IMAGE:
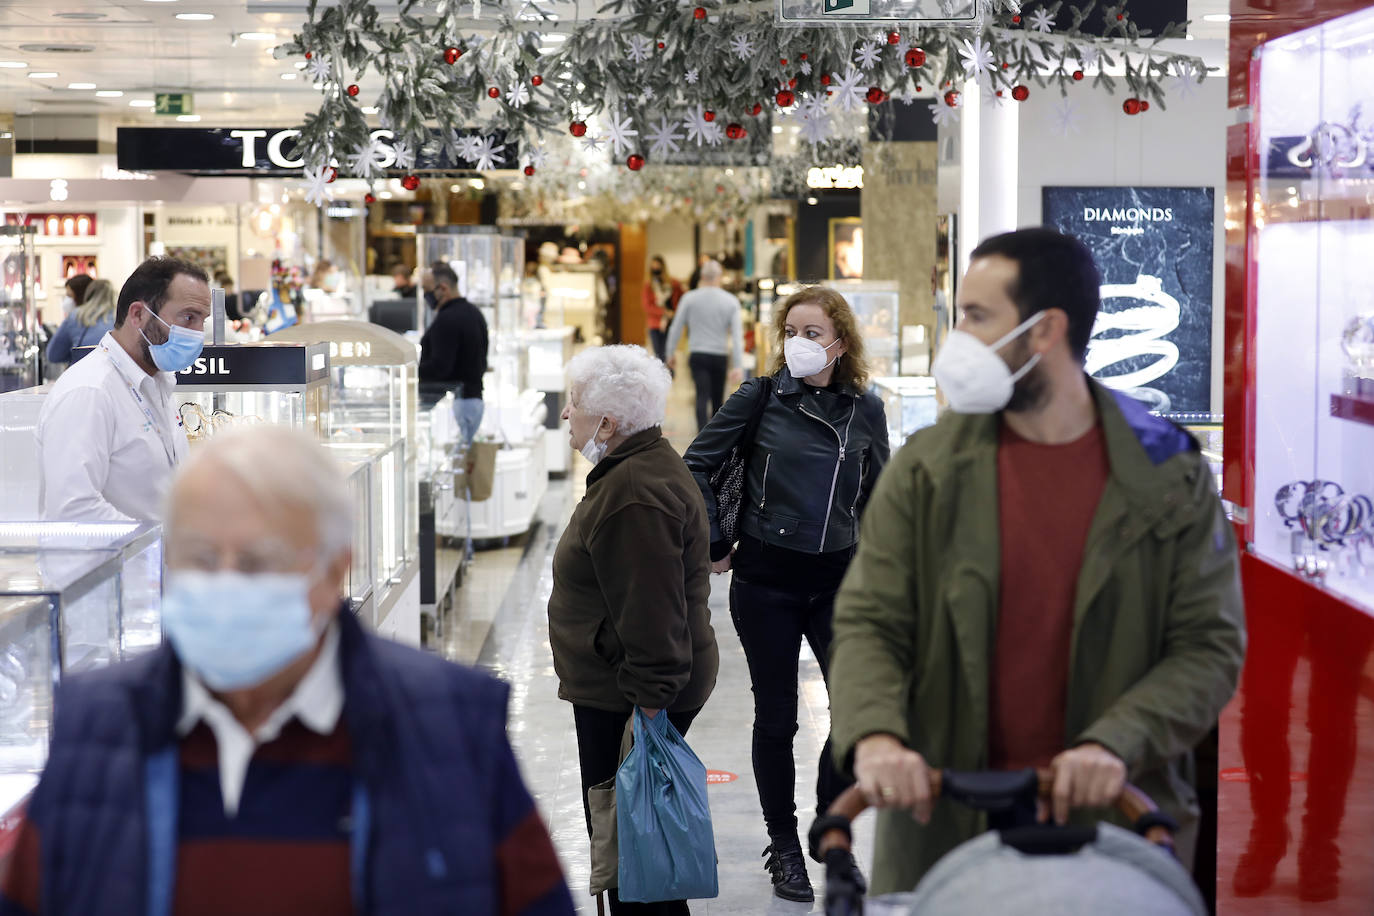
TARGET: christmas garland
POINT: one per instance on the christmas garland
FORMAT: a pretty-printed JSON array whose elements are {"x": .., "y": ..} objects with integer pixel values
[{"x": 647, "y": 79}]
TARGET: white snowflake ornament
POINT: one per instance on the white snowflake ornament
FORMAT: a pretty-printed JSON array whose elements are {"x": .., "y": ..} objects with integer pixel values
[
  {"x": 977, "y": 57},
  {"x": 488, "y": 154},
  {"x": 319, "y": 69},
  {"x": 700, "y": 130},
  {"x": 1042, "y": 21},
  {"x": 1066, "y": 120},
  {"x": 849, "y": 89},
  {"x": 992, "y": 97},
  {"x": 742, "y": 46},
  {"x": 591, "y": 143},
  {"x": 816, "y": 124},
  {"x": 943, "y": 115},
  {"x": 619, "y": 132},
  {"x": 691, "y": 76},
  {"x": 806, "y": 68},
  {"x": 317, "y": 185},
  {"x": 404, "y": 153},
  {"x": 467, "y": 147},
  {"x": 868, "y": 55},
  {"x": 664, "y": 139},
  {"x": 641, "y": 48},
  {"x": 518, "y": 94},
  {"x": 367, "y": 161}
]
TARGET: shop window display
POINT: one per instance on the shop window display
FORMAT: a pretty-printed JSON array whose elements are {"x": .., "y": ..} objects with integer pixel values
[{"x": 19, "y": 326}]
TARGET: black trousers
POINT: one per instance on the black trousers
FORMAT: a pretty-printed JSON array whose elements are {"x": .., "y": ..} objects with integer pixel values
[
  {"x": 658, "y": 340},
  {"x": 598, "y": 755},
  {"x": 771, "y": 623},
  {"x": 708, "y": 374}
]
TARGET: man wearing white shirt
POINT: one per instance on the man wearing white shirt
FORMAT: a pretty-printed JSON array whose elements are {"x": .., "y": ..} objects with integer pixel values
[{"x": 109, "y": 432}]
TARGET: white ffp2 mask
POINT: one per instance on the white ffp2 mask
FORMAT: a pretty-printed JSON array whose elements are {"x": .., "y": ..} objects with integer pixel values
[
  {"x": 806, "y": 358},
  {"x": 971, "y": 374}
]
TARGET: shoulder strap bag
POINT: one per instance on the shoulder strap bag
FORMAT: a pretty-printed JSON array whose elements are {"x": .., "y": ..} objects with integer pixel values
[{"x": 728, "y": 482}]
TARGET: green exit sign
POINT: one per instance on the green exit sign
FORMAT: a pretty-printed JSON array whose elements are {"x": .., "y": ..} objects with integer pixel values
[{"x": 173, "y": 103}]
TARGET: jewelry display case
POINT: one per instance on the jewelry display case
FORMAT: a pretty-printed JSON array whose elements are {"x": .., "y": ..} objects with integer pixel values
[
  {"x": 909, "y": 402},
  {"x": 285, "y": 383},
  {"x": 72, "y": 597},
  {"x": 20, "y": 458},
  {"x": 474, "y": 253},
  {"x": 571, "y": 302},
  {"x": 550, "y": 350},
  {"x": 19, "y": 324},
  {"x": 1313, "y": 499}
]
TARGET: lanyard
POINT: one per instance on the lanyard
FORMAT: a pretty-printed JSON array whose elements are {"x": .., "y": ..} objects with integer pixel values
[{"x": 142, "y": 403}]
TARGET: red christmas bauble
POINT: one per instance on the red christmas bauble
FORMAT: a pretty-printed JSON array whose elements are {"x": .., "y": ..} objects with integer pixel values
[
  {"x": 736, "y": 131},
  {"x": 635, "y": 162},
  {"x": 369, "y": 198},
  {"x": 803, "y": 57},
  {"x": 875, "y": 96},
  {"x": 756, "y": 110},
  {"x": 1020, "y": 93},
  {"x": 915, "y": 57},
  {"x": 529, "y": 170},
  {"x": 493, "y": 93},
  {"x": 1144, "y": 105},
  {"x": 1131, "y": 106},
  {"x": 999, "y": 93},
  {"x": 309, "y": 55},
  {"x": 720, "y": 189},
  {"x": 786, "y": 97},
  {"x": 952, "y": 99},
  {"x": 1016, "y": 20},
  {"x": 333, "y": 174},
  {"x": 1078, "y": 76},
  {"x": 578, "y": 128},
  {"x": 708, "y": 115},
  {"x": 894, "y": 38},
  {"x": 661, "y": 46},
  {"x": 451, "y": 55},
  {"x": 353, "y": 91},
  {"x": 782, "y": 62},
  {"x": 699, "y": 13},
  {"x": 792, "y": 83},
  {"x": 1120, "y": 17},
  {"x": 536, "y": 80},
  {"x": 825, "y": 79},
  {"x": 918, "y": 88},
  {"x": 410, "y": 182}
]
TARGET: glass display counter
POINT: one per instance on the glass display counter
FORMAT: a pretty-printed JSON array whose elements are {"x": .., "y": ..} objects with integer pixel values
[
  {"x": 284, "y": 383},
  {"x": 909, "y": 402},
  {"x": 1312, "y": 231},
  {"x": 20, "y": 458},
  {"x": 19, "y": 324},
  {"x": 550, "y": 350},
  {"x": 72, "y": 597},
  {"x": 572, "y": 302}
]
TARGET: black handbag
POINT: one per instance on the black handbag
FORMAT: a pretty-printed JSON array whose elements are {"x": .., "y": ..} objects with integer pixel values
[{"x": 727, "y": 483}]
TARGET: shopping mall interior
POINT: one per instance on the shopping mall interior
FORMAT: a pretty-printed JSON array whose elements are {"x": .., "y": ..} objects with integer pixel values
[{"x": 319, "y": 161}]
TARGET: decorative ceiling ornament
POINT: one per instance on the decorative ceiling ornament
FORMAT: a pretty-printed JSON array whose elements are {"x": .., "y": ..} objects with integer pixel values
[{"x": 730, "y": 61}]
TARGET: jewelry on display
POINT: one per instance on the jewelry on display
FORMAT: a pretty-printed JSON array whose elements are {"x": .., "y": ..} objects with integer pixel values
[
  {"x": 202, "y": 424},
  {"x": 1357, "y": 342}
]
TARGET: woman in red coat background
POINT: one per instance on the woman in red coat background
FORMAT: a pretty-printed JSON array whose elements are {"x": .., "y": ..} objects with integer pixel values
[{"x": 661, "y": 293}]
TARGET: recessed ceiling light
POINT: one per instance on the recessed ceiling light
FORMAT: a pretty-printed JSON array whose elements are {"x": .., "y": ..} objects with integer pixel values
[
  {"x": 289, "y": 76},
  {"x": 81, "y": 85},
  {"x": 195, "y": 17},
  {"x": 370, "y": 110},
  {"x": 1217, "y": 17},
  {"x": 159, "y": 1},
  {"x": 300, "y": 65},
  {"x": 257, "y": 36},
  {"x": 142, "y": 103},
  {"x": 43, "y": 75},
  {"x": 188, "y": 119},
  {"x": 109, "y": 94},
  {"x": 12, "y": 64}
]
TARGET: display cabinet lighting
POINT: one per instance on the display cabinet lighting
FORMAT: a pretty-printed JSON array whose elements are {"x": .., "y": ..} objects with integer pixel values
[
  {"x": 142, "y": 103},
  {"x": 43, "y": 75},
  {"x": 109, "y": 94},
  {"x": 12, "y": 65},
  {"x": 195, "y": 17}
]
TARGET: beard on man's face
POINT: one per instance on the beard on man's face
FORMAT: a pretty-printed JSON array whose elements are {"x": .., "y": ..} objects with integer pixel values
[{"x": 1032, "y": 390}]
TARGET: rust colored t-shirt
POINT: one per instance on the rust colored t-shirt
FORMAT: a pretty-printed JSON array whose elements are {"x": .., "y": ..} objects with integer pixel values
[{"x": 1047, "y": 496}]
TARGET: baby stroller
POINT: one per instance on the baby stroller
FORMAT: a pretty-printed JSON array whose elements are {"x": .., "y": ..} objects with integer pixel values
[{"x": 1026, "y": 869}]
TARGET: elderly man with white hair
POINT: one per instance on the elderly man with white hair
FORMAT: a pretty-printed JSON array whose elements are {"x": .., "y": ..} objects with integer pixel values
[
  {"x": 628, "y": 618},
  {"x": 272, "y": 756},
  {"x": 711, "y": 318}
]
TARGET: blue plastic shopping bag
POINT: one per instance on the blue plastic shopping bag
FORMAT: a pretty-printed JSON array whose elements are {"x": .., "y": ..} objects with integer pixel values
[{"x": 667, "y": 848}]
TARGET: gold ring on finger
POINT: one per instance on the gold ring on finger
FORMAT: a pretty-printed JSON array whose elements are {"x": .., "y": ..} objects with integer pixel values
[{"x": 887, "y": 791}]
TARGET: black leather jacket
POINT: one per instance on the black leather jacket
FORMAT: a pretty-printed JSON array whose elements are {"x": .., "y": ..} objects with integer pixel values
[{"x": 812, "y": 467}]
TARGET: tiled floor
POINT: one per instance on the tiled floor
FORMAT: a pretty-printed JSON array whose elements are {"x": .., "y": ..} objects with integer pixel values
[{"x": 501, "y": 624}]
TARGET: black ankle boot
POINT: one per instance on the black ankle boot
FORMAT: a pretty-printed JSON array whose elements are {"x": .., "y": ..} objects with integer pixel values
[{"x": 788, "y": 868}]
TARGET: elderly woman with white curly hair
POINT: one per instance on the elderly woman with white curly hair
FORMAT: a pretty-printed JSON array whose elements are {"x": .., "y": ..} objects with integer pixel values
[{"x": 628, "y": 618}]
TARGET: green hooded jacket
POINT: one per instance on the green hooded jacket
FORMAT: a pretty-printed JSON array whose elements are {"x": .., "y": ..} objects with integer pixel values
[{"x": 1158, "y": 636}]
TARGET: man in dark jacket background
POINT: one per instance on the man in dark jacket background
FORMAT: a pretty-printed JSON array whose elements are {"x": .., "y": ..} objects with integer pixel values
[
  {"x": 273, "y": 757},
  {"x": 453, "y": 352}
]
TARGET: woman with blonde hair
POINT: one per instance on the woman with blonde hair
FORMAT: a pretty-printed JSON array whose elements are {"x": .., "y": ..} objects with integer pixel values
[
  {"x": 86, "y": 324},
  {"x": 819, "y": 440}
]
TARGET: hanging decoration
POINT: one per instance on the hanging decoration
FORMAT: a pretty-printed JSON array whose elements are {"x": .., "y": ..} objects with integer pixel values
[{"x": 436, "y": 73}]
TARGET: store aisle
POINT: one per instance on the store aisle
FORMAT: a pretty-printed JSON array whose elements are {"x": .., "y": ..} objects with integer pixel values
[{"x": 541, "y": 725}]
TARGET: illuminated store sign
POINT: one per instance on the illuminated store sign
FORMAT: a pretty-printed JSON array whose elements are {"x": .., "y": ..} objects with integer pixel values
[
  {"x": 837, "y": 176},
  {"x": 267, "y": 151}
]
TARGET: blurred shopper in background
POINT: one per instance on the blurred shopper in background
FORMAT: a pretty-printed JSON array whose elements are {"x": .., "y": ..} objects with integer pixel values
[
  {"x": 710, "y": 316},
  {"x": 1045, "y": 579},
  {"x": 92, "y": 318},
  {"x": 273, "y": 756},
  {"x": 661, "y": 295},
  {"x": 453, "y": 353},
  {"x": 628, "y": 618},
  {"x": 819, "y": 445}
]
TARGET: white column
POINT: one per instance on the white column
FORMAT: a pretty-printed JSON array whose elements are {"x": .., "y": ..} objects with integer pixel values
[{"x": 990, "y": 141}]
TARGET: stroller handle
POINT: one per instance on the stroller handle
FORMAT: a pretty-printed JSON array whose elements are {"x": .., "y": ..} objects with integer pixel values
[{"x": 1132, "y": 804}]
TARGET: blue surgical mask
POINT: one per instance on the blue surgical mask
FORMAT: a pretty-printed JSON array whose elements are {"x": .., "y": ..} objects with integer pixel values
[
  {"x": 181, "y": 349},
  {"x": 235, "y": 630}
]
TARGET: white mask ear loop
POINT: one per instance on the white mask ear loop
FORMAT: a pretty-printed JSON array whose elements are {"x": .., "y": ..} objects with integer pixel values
[{"x": 1014, "y": 333}]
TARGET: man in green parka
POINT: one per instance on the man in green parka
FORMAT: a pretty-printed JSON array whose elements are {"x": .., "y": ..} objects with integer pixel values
[{"x": 1045, "y": 578}]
